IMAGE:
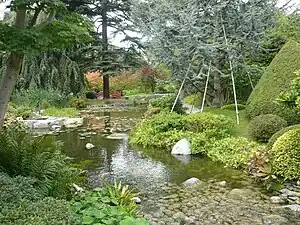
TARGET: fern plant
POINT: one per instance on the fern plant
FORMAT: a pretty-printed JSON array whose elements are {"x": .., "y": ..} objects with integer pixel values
[
  {"x": 122, "y": 194},
  {"x": 40, "y": 158}
]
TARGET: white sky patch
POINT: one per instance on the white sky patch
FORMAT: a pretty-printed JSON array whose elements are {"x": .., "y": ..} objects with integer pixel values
[{"x": 118, "y": 38}]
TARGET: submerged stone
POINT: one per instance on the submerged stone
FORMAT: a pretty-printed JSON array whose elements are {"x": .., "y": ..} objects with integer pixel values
[
  {"x": 240, "y": 193},
  {"x": 117, "y": 136},
  {"x": 277, "y": 200},
  {"x": 274, "y": 220},
  {"x": 294, "y": 207}
]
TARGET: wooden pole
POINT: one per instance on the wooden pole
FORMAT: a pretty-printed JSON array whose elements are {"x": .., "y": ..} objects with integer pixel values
[
  {"x": 205, "y": 90},
  {"x": 232, "y": 78}
]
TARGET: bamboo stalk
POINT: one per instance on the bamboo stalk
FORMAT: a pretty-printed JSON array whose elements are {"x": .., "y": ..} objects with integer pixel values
[
  {"x": 205, "y": 90},
  {"x": 232, "y": 78}
]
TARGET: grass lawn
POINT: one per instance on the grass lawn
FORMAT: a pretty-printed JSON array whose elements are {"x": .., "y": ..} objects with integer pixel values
[{"x": 242, "y": 128}]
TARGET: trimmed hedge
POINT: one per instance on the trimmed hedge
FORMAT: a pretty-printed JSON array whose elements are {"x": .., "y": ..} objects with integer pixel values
[
  {"x": 279, "y": 133},
  {"x": 232, "y": 107},
  {"x": 262, "y": 127},
  {"x": 286, "y": 155},
  {"x": 276, "y": 79},
  {"x": 199, "y": 122}
]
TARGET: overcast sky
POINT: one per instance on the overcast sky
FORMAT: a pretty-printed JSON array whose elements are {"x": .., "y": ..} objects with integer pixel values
[{"x": 116, "y": 40}]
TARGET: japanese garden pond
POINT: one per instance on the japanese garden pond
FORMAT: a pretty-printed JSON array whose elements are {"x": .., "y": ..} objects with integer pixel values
[{"x": 157, "y": 176}]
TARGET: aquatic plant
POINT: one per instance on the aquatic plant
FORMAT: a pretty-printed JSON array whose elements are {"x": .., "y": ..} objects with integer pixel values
[{"x": 110, "y": 205}]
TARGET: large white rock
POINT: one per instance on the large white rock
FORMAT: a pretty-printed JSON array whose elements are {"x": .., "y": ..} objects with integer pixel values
[
  {"x": 89, "y": 146},
  {"x": 182, "y": 147}
]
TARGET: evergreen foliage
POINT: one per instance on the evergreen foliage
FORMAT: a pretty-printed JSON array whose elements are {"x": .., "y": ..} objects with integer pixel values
[
  {"x": 40, "y": 158},
  {"x": 232, "y": 151},
  {"x": 22, "y": 204},
  {"x": 262, "y": 127},
  {"x": 286, "y": 155},
  {"x": 276, "y": 79},
  {"x": 279, "y": 133}
]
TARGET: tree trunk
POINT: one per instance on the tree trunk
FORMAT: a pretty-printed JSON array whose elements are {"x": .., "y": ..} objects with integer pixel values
[
  {"x": 8, "y": 82},
  {"x": 105, "y": 49},
  {"x": 218, "y": 95},
  {"x": 13, "y": 67}
]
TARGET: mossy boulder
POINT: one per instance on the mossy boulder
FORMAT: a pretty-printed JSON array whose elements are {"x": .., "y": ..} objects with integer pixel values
[{"x": 276, "y": 79}]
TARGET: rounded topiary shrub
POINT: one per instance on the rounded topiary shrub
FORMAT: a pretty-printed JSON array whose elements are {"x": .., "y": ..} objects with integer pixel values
[
  {"x": 262, "y": 127},
  {"x": 278, "y": 134},
  {"x": 286, "y": 155},
  {"x": 232, "y": 107},
  {"x": 91, "y": 95},
  {"x": 276, "y": 79},
  {"x": 200, "y": 122}
]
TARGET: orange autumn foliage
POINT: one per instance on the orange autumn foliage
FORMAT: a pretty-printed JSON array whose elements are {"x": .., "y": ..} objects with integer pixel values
[{"x": 94, "y": 79}]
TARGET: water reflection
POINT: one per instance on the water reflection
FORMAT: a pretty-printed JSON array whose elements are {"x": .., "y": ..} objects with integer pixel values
[{"x": 145, "y": 170}]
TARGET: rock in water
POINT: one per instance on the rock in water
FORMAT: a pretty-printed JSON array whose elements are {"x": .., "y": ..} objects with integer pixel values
[
  {"x": 277, "y": 200},
  {"x": 182, "y": 147},
  {"x": 239, "y": 194},
  {"x": 137, "y": 200},
  {"x": 191, "y": 182},
  {"x": 294, "y": 207},
  {"x": 89, "y": 146}
]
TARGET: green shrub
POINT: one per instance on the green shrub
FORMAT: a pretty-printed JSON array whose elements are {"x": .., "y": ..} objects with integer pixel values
[
  {"x": 275, "y": 80},
  {"x": 168, "y": 139},
  {"x": 22, "y": 204},
  {"x": 106, "y": 206},
  {"x": 60, "y": 112},
  {"x": 21, "y": 111},
  {"x": 40, "y": 158},
  {"x": 201, "y": 142},
  {"x": 286, "y": 155},
  {"x": 199, "y": 122},
  {"x": 151, "y": 112},
  {"x": 78, "y": 103},
  {"x": 194, "y": 99},
  {"x": 38, "y": 97},
  {"x": 91, "y": 95},
  {"x": 166, "y": 103},
  {"x": 279, "y": 133},
  {"x": 232, "y": 107},
  {"x": 156, "y": 130},
  {"x": 262, "y": 127},
  {"x": 233, "y": 152}
]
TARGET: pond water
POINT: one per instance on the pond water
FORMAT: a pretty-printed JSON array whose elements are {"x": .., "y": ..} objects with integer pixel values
[{"x": 157, "y": 175}]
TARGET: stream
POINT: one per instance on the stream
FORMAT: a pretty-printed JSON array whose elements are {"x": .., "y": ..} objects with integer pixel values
[{"x": 157, "y": 176}]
